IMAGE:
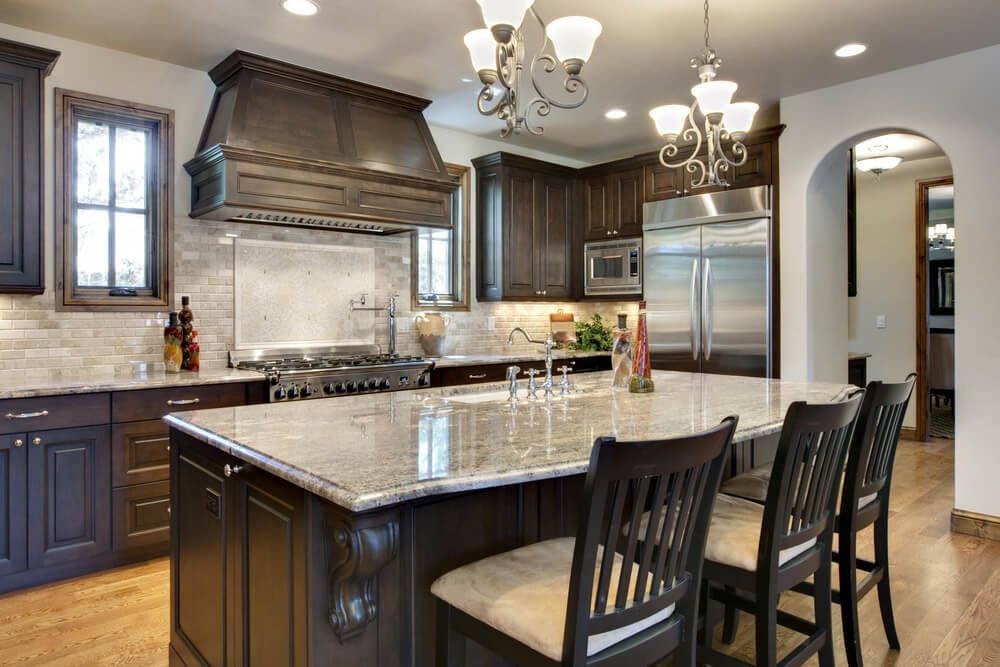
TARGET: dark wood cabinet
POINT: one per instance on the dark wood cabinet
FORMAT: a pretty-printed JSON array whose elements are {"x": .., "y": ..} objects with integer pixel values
[
  {"x": 613, "y": 204},
  {"x": 239, "y": 580},
  {"x": 525, "y": 230},
  {"x": 69, "y": 495},
  {"x": 13, "y": 503},
  {"x": 662, "y": 182},
  {"x": 23, "y": 69},
  {"x": 474, "y": 374}
]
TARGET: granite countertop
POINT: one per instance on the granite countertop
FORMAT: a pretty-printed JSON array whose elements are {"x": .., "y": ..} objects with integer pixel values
[
  {"x": 365, "y": 452},
  {"x": 97, "y": 382},
  {"x": 854, "y": 356},
  {"x": 453, "y": 360}
]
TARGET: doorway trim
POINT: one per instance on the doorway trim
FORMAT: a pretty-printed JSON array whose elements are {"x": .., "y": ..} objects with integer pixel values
[{"x": 923, "y": 394}]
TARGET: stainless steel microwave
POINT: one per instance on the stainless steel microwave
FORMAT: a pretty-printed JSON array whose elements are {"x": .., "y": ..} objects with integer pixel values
[{"x": 613, "y": 267}]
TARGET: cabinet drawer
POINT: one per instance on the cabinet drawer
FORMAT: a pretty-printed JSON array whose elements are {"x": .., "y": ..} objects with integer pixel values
[
  {"x": 18, "y": 415},
  {"x": 140, "y": 452},
  {"x": 141, "y": 515},
  {"x": 129, "y": 406}
]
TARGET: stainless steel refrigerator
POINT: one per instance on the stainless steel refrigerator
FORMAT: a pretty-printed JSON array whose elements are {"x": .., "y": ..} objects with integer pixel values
[{"x": 707, "y": 282}]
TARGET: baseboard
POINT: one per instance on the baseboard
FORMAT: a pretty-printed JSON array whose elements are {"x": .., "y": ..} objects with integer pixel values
[
  {"x": 972, "y": 523},
  {"x": 908, "y": 433}
]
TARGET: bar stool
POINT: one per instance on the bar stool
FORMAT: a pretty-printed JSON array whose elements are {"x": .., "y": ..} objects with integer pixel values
[
  {"x": 612, "y": 596},
  {"x": 756, "y": 552},
  {"x": 864, "y": 501}
]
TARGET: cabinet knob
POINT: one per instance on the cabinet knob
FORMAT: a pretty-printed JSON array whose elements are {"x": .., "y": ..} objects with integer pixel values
[
  {"x": 608, "y": 232},
  {"x": 230, "y": 470},
  {"x": 36, "y": 440},
  {"x": 545, "y": 292},
  {"x": 18, "y": 442}
]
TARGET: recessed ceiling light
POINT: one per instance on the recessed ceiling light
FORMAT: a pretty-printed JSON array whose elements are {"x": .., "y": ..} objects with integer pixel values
[
  {"x": 301, "y": 7},
  {"x": 850, "y": 50},
  {"x": 615, "y": 114}
]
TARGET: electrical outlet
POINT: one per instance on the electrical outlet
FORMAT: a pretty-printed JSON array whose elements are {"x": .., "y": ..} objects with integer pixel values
[
  {"x": 880, "y": 321},
  {"x": 491, "y": 323}
]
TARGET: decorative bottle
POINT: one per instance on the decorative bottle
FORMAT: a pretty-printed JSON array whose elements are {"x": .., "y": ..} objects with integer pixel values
[
  {"x": 188, "y": 335},
  {"x": 641, "y": 380},
  {"x": 621, "y": 354},
  {"x": 173, "y": 334}
]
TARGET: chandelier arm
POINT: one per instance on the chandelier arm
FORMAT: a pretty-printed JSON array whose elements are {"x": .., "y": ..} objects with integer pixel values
[
  {"x": 572, "y": 84},
  {"x": 690, "y": 133},
  {"x": 486, "y": 96},
  {"x": 740, "y": 155}
]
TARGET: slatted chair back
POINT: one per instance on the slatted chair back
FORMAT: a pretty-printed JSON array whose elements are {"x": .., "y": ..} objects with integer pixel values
[
  {"x": 873, "y": 449},
  {"x": 806, "y": 476},
  {"x": 677, "y": 479}
]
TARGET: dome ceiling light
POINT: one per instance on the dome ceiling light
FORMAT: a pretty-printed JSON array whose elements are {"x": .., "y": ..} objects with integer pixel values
[
  {"x": 301, "y": 7},
  {"x": 498, "y": 56},
  {"x": 723, "y": 120}
]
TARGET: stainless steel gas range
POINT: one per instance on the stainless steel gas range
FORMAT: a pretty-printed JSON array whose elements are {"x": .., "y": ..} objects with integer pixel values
[{"x": 301, "y": 373}]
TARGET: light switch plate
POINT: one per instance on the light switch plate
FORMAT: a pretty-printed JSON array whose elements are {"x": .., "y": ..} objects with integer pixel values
[
  {"x": 880, "y": 321},
  {"x": 491, "y": 323}
]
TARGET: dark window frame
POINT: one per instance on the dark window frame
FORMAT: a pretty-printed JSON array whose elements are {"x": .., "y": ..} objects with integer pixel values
[
  {"x": 458, "y": 300},
  {"x": 71, "y": 108}
]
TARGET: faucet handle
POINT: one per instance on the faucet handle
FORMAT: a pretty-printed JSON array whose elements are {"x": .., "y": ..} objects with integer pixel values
[
  {"x": 532, "y": 383},
  {"x": 512, "y": 372},
  {"x": 565, "y": 379}
]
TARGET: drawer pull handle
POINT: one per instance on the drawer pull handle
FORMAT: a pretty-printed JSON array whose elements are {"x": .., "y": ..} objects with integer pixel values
[
  {"x": 27, "y": 415},
  {"x": 183, "y": 401},
  {"x": 19, "y": 443},
  {"x": 168, "y": 509},
  {"x": 36, "y": 440},
  {"x": 477, "y": 376},
  {"x": 230, "y": 470}
]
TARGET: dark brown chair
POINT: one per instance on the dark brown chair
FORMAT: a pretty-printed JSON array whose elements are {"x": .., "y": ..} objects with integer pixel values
[
  {"x": 613, "y": 596},
  {"x": 864, "y": 501},
  {"x": 754, "y": 552}
]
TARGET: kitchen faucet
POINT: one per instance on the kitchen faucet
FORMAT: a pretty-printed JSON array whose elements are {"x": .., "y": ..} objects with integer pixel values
[
  {"x": 391, "y": 309},
  {"x": 547, "y": 385}
]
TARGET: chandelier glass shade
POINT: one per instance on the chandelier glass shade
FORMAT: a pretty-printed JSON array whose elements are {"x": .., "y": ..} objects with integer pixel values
[
  {"x": 498, "y": 56},
  {"x": 721, "y": 121},
  {"x": 879, "y": 164}
]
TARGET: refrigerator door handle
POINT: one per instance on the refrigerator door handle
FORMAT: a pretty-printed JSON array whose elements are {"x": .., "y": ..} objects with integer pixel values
[
  {"x": 693, "y": 310},
  {"x": 708, "y": 308}
]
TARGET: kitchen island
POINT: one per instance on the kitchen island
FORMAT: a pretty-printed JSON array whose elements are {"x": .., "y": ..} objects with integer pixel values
[{"x": 310, "y": 532}]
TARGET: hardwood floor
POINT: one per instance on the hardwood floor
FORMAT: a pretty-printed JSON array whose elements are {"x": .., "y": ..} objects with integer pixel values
[{"x": 946, "y": 591}]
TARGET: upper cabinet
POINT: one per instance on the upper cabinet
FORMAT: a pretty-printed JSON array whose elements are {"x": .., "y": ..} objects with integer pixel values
[
  {"x": 613, "y": 204},
  {"x": 525, "y": 237},
  {"x": 23, "y": 69}
]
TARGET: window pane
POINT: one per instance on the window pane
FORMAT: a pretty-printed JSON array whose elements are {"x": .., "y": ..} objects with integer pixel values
[
  {"x": 130, "y": 167},
  {"x": 92, "y": 248},
  {"x": 92, "y": 163},
  {"x": 423, "y": 264},
  {"x": 130, "y": 250},
  {"x": 441, "y": 267}
]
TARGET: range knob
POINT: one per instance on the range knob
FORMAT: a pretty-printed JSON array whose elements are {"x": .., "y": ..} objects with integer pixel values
[
  {"x": 280, "y": 393},
  {"x": 424, "y": 380},
  {"x": 383, "y": 383},
  {"x": 307, "y": 390},
  {"x": 340, "y": 387},
  {"x": 293, "y": 391},
  {"x": 364, "y": 385},
  {"x": 351, "y": 385},
  {"x": 329, "y": 388}
]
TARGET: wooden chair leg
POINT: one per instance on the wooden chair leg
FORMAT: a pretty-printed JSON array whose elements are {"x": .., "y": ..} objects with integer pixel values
[
  {"x": 766, "y": 630},
  {"x": 685, "y": 654},
  {"x": 730, "y": 623},
  {"x": 884, "y": 595},
  {"x": 449, "y": 646},
  {"x": 848, "y": 551},
  {"x": 823, "y": 602}
]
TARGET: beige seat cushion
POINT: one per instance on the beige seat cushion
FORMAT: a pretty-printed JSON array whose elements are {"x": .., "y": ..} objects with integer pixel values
[
  {"x": 753, "y": 486},
  {"x": 524, "y": 594},
  {"x": 734, "y": 534}
]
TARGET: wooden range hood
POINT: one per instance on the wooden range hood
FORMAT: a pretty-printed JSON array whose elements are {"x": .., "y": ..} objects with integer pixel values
[{"x": 287, "y": 145}]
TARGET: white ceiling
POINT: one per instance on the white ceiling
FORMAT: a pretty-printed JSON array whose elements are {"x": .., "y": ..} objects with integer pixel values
[{"x": 773, "y": 48}]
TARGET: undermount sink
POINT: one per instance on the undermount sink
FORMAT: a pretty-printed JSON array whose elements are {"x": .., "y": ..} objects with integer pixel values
[{"x": 504, "y": 396}]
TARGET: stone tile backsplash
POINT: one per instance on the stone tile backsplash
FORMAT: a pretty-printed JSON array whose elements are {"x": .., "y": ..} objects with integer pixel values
[{"x": 37, "y": 342}]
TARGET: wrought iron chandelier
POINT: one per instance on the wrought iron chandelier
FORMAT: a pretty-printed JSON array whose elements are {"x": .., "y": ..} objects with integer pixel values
[
  {"x": 723, "y": 120},
  {"x": 498, "y": 56}
]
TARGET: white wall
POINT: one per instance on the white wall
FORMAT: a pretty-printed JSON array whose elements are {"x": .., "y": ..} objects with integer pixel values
[
  {"x": 886, "y": 271},
  {"x": 952, "y": 101}
]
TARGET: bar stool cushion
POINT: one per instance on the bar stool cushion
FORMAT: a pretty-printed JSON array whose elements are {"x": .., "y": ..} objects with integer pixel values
[
  {"x": 752, "y": 485},
  {"x": 524, "y": 594}
]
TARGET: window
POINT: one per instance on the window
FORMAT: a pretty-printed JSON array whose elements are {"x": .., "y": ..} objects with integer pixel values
[
  {"x": 114, "y": 185},
  {"x": 440, "y": 276}
]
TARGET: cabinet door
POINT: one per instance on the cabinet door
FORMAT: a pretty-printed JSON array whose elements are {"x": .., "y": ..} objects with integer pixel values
[
  {"x": 663, "y": 182},
  {"x": 596, "y": 209},
  {"x": 21, "y": 179},
  {"x": 756, "y": 170},
  {"x": 13, "y": 503},
  {"x": 69, "y": 495},
  {"x": 489, "y": 234},
  {"x": 520, "y": 272},
  {"x": 554, "y": 243},
  {"x": 269, "y": 553},
  {"x": 626, "y": 189},
  {"x": 198, "y": 554}
]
